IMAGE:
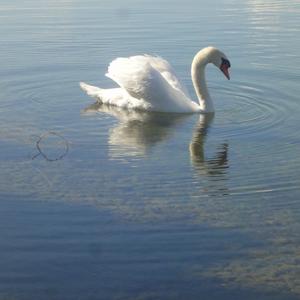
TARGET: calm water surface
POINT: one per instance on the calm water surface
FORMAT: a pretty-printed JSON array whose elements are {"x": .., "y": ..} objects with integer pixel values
[{"x": 99, "y": 203}]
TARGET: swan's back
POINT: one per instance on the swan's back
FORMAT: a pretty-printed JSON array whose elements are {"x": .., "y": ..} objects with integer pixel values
[
  {"x": 143, "y": 69},
  {"x": 146, "y": 82}
]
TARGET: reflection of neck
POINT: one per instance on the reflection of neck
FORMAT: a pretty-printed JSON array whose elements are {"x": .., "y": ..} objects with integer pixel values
[
  {"x": 197, "y": 143},
  {"x": 198, "y": 77},
  {"x": 212, "y": 166}
]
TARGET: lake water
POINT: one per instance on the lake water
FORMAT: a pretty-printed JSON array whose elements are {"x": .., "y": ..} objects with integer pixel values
[{"x": 97, "y": 203}]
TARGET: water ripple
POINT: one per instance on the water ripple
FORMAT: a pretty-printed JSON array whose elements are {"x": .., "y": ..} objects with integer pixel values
[{"x": 249, "y": 110}]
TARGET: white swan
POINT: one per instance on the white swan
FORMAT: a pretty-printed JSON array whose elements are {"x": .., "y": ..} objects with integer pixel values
[{"x": 149, "y": 83}]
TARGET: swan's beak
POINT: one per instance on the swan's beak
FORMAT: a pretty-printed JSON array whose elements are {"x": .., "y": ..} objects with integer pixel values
[{"x": 224, "y": 68}]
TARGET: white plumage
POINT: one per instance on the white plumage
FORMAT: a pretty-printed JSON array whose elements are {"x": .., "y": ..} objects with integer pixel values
[{"x": 149, "y": 83}]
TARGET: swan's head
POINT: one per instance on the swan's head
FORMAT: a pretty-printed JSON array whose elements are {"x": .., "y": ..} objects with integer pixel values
[
  {"x": 220, "y": 60},
  {"x": 216, "y": 57}
]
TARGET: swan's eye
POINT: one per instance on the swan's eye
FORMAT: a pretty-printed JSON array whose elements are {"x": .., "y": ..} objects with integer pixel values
[{"x": 225, "y": 62}]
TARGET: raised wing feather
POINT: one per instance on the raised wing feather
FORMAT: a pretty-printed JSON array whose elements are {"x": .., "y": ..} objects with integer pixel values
[
  {"x": 167, "y": 72},
  {"x": 146, "y": 77}
]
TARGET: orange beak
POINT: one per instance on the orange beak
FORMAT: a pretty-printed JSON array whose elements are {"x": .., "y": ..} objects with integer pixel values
[{"x": 224, "y": 68}]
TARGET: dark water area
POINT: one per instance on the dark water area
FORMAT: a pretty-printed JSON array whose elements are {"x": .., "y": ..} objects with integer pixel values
[{"x": 104, "y": 203}]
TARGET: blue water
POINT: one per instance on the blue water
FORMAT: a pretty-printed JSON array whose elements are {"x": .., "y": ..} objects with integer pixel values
[{"x": 97, "y": 203}]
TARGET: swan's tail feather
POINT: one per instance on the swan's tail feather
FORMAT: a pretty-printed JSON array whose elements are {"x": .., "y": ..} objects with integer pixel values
[
  {"x": 91, "y": 90},
  {"x": 115, "y": 96}
]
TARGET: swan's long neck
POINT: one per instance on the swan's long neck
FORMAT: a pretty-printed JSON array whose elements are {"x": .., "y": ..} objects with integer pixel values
[{"x": 198, "y": 77}]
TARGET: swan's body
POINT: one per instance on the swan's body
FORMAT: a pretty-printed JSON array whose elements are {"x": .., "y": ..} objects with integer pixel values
[{"x": 149, "y": 83}]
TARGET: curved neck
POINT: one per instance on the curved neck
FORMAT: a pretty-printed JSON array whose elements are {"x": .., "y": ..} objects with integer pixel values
[{"x": 198, "y": 77}]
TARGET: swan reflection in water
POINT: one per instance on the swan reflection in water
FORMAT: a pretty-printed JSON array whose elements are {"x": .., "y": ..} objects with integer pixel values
[
  {"x": 214, "y": 166},
  {"x": 138, "y": 132}
]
